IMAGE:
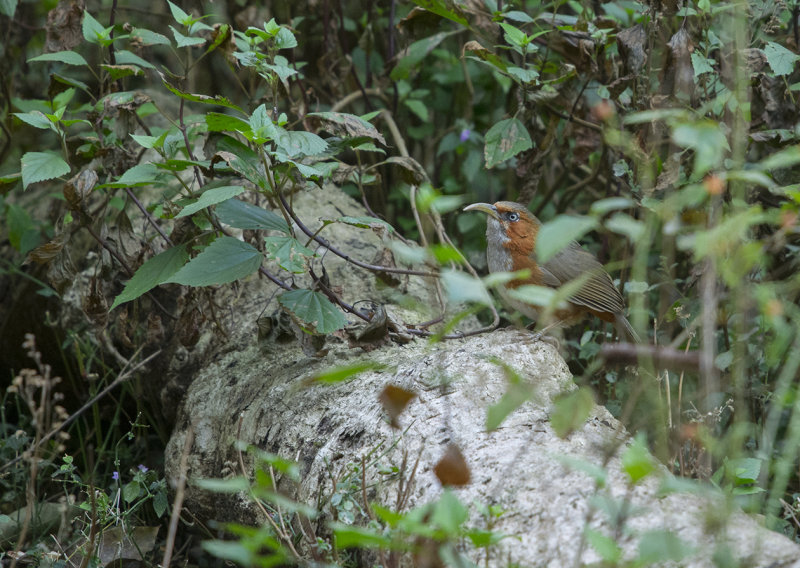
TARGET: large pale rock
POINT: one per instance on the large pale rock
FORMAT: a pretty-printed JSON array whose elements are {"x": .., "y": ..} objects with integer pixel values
[{"x": 256, "y": 393}]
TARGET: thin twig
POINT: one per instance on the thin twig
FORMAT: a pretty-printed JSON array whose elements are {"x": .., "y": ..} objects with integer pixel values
[
  {"x": 119, "y": 380},
  {"x": 575, "y": 119},
  {"x": 347, "y": 99},
  {"x": 325, "y": 243},
  {"x": 147, "y": 215},
  {"x": 278, "y": 531},
  {"x": 177, "y": 504}
]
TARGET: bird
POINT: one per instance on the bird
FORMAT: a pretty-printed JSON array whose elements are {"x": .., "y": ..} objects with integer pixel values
[{"x": 511, "y": 232}]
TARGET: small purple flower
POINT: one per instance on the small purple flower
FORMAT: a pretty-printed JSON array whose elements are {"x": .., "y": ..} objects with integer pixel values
[
  {"x": 465, "y": 134},
  {"x": 115, "y": 476},
  {"x": 143, "y": 468}
]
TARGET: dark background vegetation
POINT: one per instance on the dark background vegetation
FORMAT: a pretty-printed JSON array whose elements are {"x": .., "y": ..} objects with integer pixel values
[{"x": 669, "y": 129}]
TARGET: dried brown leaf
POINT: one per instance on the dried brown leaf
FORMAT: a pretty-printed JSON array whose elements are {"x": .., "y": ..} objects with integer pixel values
[
  {"x": 130, "y": 543},
  {"x": 631, "y": 43},
  {"x": 48, "y": 251},
  {"x": 94, "y": 303},
  {"x": 410, "y": 169},
  {"x": 452, "y": 469},
  {"x": 63, "y": 26},
  {"x": 394, "y": 400},
  {"x": 78, "y": 188}
]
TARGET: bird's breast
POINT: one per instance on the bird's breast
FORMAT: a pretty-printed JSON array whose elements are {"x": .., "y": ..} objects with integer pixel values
[{"x": 497, "y": 255}]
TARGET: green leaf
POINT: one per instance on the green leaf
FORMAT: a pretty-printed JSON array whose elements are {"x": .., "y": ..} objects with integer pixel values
[
  {"x": 36, "y": 119},
  {"x": 61, "y": 100},
  {"x": 606, "y": 547},
  {"x": 218, "y": 122},
  {"x": 449, "y": 513},
  {"x": 205, "y": 99},
  {"x": 260, "y": 126},
  {"x": 415, "y": 53},
  {"x": 211, "y": 197},
  {"x": 160, "y": 503},
  {"x": 571, "y": 411},
  {"x": 514, "y": 35},
  {"x": 245, "y": 162},
  {"x": 505, "y": 140},
  {"x": 637, "y": 461},
  {"x": 41, "y": 166},
  {"x": 230, "y": 485},
  {"x": 68, "y": 57},
  {"x": 131, "y": 491},
  {"x": 300, "y": 143},
  {"x": 349, "y": 536},
  {"x": 347, "y": 372},
  {"x": 515, "y": 396},
  {"x": 225, "y": 260},
  {"x": 283, "y": 465},
  {"x": 364, "y": 222},
  {"x": 780, "y": 59},
  {"x": 93, "y": 31},
  {"x": 179, "y": 15},
  {"x": 219, "y": 37},
  {"x": 314, "y": 309},
  {"x": 661, "y": 546},
  {"x": 119, "y": 71},
  {"x": 449, "y": 10},
  {"x": 242, "y": 215},
  {"x": 8, "y": 181},
  {"x": 597, "y": 473},
  {"x": 484, "y": 55},
  {"x": 234, "y": 551},
  {"x": 140, "y": 174},
  {"x": 463, "y": 287},
  {"x": 388, "y": 516},
  {"x": 146, "y": 141},
  {"x": 185, "y": 41},
  {"x": 743, "y": 470},
  {"x": 176, "y": 165},
  {"x": 346, "y": 125},
  {"x": 603, "y": 206},
  {"x": 127, "y": 58},
  {"x": 280, "y": 66},
  {"x": 153, "y": 272},
  {"x": 22, "y": 232},
  {"x": 284, "y": 503},
  {"x": 723, "y": 360},
  {"x": 288, "y": 253},
  {"x": 8, "y": 7},
  {"x": 518, "y": 16},
  {"x": 285, "y": 39},
  {"x": 785, "y": 158},
  {"x": 707, "y": 140},
  {"x": 555, "y": 235},
  {"x": 147, "y": 37},
  {"x": 542, "y": 296},
  {"x": 654, "y": 115},
  {"x": 418, "y": 108},
  {"x": 523, "y": 75},
  {"x": 72, "y": 83},
  {"x": 624, "y": 224},
  {"x": 484, "y": 539},
  {"x": 701, "y": 64}
]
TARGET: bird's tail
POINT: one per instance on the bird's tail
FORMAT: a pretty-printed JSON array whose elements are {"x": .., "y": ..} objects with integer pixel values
[{"x": 623, "y": 325}]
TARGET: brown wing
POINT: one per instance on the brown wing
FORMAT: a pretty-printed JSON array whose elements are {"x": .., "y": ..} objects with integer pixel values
[{"x": 598, "y": 292}]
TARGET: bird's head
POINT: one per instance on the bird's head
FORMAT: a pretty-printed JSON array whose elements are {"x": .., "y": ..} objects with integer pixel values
[{"x": 509, "y": 221}]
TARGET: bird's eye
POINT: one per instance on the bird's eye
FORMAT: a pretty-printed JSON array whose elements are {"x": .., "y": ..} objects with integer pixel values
[{"x": 513, "y": 216}]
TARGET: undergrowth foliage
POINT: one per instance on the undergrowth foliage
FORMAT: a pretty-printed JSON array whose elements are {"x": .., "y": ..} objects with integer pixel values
[{"x": 665, "y": 137}]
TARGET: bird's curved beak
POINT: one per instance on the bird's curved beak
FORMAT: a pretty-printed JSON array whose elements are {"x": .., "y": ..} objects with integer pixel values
[{"x": 490, "y": 210}]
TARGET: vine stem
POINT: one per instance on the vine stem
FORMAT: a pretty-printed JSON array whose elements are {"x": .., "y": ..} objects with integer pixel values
[{"x": 325, "y": 243}]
